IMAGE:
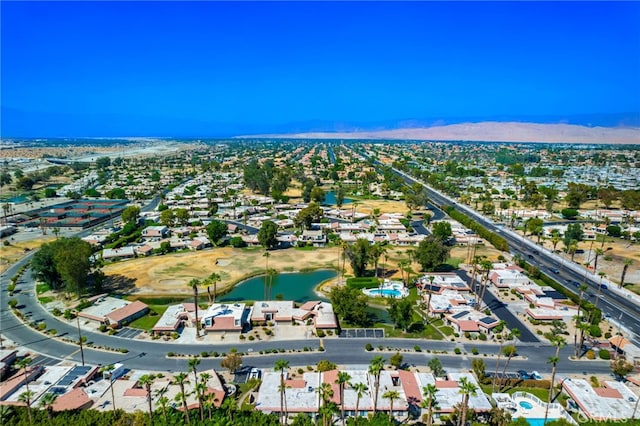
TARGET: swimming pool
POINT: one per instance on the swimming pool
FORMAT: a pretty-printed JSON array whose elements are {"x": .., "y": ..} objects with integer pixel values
[
  {"x": 526, "y": 405},
  {"x": 386, "y": 292},
  {"x": 538, "y": 422}
]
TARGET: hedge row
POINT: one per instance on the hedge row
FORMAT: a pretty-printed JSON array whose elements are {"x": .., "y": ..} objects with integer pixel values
[
  {"x": 363, "y": 282},
  {"x": 496, "y": 240}
]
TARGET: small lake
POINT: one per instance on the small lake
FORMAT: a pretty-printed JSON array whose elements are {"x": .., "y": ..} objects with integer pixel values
[
  {"x": 330, "y": 199},
  {"x": 298, "y": 286}
]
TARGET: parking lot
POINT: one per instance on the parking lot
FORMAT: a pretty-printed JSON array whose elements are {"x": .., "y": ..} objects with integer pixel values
[
  {"x": 362, "y": 333},
  {"x": 128, "y": 333}
]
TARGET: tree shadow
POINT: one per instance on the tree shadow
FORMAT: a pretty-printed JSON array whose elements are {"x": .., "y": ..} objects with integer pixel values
[
  {"x": 118, "y": 284},
  {"x": 445, "y": 267}
]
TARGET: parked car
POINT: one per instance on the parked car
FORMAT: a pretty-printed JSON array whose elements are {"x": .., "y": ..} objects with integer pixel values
[
  {"x": 535, "y": 375},
  {"x": 555, "y": 270},
  {"x": 573, "y": 283},
  {"x": 524, "y": 375},
  {"x": 604, "y": 287}
]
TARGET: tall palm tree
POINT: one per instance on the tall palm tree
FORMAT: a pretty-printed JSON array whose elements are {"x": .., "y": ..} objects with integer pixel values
[
  {"x": 146, "y": 380},
  {"x": 360, "y": 389},
  {"x": 204, "y": 380},
  {"x": 599, "y": 252},
  {"x": 213, "y": 278},
  {"x": 27, "y": 398},
  {"x": 578, "y": 317},
  {"x": 46, "y": 402},
  {"x": 266, "y": 272},
  {"x": 182, "y": 378},
  {"x": 510, "y": 350},
  {"x": 163, "y": 402},
  {"x": 325, "y": 393},
  {"x": 467, "y": 389},
  {"x": 486, "y": 268},
  {"x": 376, "y": 365},
  {"x": 109, "y": 369},
  {"x": 429, "y": 401},
  {"x": 627, "y": 263},
  {"x": 558, "y": 342},
  {"x": 501, "y": 324},
  {"x": 431, "y": 279},
  {"x": 22, "y": 365},
  {"x": 342, "y": 381},
  {"x": 282, "y": 365},
  {"x": 391, "y": 395},
  {"x": 194, "y": 283},
  {"x": 601, "y": 274},
  {"x": 193, "y": 364}
]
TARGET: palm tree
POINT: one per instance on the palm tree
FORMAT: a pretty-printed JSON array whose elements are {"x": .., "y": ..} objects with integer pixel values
[
  {"x": 376, "y": 365},
  {"x": 282, "y": 365},
  {"x": 391, "y": 395},
  {"x": 27, "y": 398},
  {"x": 486, "y": 267},
  {"x": 601, "y": 274},
  {"x": 163, "y": 401},
  {"x": 467, "y": 389},
  {"x": 194, "y": 283},
  {"x": 204, "y": 379},
  {"x": 578, "y": 317},
  {"x": 429, "y": 401},
  {"x": 181, "y": 378},
  {"x": 510, "y": 350},
  {"x": 266, "y": 272},
  {"x": 146, "y": 380},
  {"x": 193, "y": 364},
  {"x": 558, "y": 342},
  {"x": 431, "y": 279},
  {"x": 501, "y": 325},
  {"x": 213, "y": 278},
  {"x": 342, "y": 381},
  {"x": 325, "y": 393},
  {"x": 109, "y": 369},
  {"x": 23, "y": 364},
  {"x": 47, "y": 401},
  {"x": 360, "y": 389},
  {"x": 627, "y": 263},
  {"x": 599, "y": 252}
]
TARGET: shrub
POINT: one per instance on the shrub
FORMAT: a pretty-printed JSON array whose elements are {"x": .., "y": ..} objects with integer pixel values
[
  {"x": 170, "y": 354},
  {"x": 320, "y": 333},
  {"x": 482, "y": 337},
  {"x": 13, "y": 303},
  {"x": 457, "y": 351},
  {"x": 68, "y": 315},
  {"x": 102, "y": 328},
  {"x": 56, "y": 312},
  {"x": 595, "y": 331},
  {"x": 417, "y": 348},
  {"x": 300, "y": 371},
  {"x": 604, "y": 354},
  {"x": 251, "y": 338},
  {"x": 204, "y": 354},
  {"x": 52, "y": 331},
  {"x": 590, "y": 354},
  {"x": 124, "y": 350},
  {"x": 475, "y": 351}
]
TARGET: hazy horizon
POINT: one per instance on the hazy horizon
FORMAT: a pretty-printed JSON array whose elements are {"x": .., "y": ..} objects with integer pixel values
[{"x": 220, "y": 69}]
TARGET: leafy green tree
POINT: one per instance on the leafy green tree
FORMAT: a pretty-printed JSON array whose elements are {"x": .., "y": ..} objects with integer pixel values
[
  {"x": 573, "y": 232},
  {"x": 339, "y": 196},
  {"x": 167, "y": 217},
  {"x": 5, "y": 178},
  {"x": 103, "y": 162},
  {"x": 232, "y": 362},
  {"x": 267, "y": 234},
  {"x": 131, "y": 214},
  {"x": 325, "y": 365},
  {"x": 431, "y": 252},
  {"x": 350, "y": 304},
  {"x": 396, "y": 360},
  {"x": 442, "y": 230},
  {"x": 44, "y": 266},
  {"x": 308, "y": 215},
  {"x": 401, "y": 312},
  {"x": 216, "y": 230},
  {"x": 182, "y": 216},
  {"x": 621, "y": 367},
  {"x": 72, "y": 263},
  {"x": 317, "y": 194},
  {"x": 435, "y": 365},
  {"x": 307, "y": 188},
  {"x": 358, "y": 254}
]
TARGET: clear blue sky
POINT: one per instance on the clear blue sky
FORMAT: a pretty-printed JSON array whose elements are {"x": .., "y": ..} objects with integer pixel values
[{"x": 214, "y": 68}]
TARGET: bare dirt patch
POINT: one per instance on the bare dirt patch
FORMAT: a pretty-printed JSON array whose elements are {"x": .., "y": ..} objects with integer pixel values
[{"x": 16, "y": 251}]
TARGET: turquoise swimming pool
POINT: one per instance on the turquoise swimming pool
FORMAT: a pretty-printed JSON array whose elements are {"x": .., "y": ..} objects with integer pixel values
[{"x": 386, "y": 292}]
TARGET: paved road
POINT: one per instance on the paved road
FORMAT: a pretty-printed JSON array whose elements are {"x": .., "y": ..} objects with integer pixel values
[{"x": 502, "y": 311}]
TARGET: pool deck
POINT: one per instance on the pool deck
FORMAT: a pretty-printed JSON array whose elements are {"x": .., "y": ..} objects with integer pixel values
[{"x": 537, "y": 408}]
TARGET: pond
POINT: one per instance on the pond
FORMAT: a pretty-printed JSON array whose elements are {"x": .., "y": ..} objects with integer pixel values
[
  {"x": 298, "y": 286},
  {"x": 16, "y": 200},
  {"x": 330, "y": 199}
]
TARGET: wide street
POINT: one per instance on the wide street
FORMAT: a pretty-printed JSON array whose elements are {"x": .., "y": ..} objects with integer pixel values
[{"x": 616, "y": 303}]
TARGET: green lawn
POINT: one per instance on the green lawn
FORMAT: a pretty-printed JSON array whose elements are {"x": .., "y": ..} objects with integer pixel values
[
  {"x": 46, "y": 299},
  {"x": 148, "y": 321},
  {"x": 42, "y": 288},
  {"x": 543, "y": 394}
]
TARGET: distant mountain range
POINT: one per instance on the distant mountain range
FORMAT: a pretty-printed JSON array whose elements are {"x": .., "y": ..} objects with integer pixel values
[
  {"x": 489, "y": 132},
  {"x": 580, "y": 128}
]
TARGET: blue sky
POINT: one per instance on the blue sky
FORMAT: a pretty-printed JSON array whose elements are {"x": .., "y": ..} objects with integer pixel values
[{"x": 215, "y": 68}]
